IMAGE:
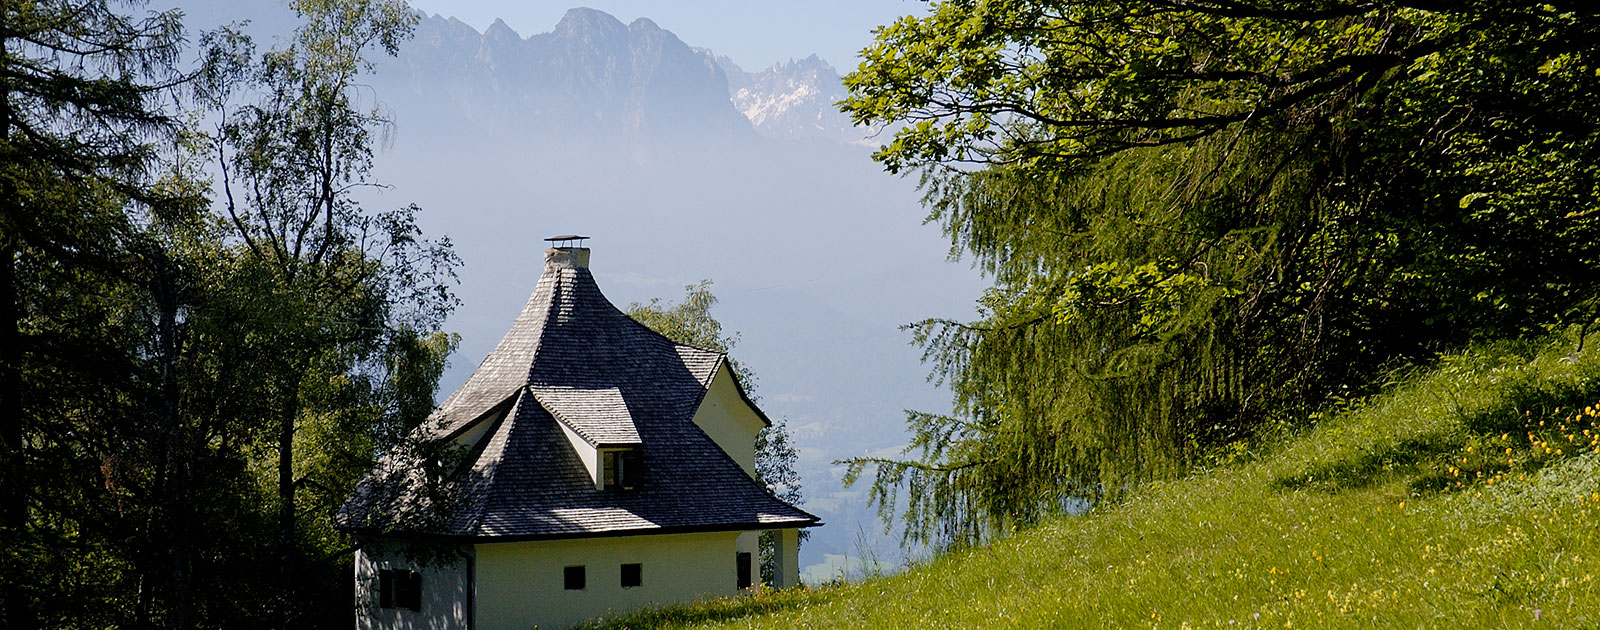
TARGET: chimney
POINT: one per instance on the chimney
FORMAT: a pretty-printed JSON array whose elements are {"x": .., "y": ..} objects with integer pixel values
[{"x": 567, "y": 252}]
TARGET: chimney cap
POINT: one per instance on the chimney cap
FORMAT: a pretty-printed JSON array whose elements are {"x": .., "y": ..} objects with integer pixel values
[{"x": 565, "y": 240}]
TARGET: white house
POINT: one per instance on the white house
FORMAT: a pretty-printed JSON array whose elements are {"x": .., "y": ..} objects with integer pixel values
[{"x": 596, "y": 466}]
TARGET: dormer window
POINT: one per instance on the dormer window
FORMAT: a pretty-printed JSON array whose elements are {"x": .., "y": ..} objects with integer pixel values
[{"x": 621, "y": 469}]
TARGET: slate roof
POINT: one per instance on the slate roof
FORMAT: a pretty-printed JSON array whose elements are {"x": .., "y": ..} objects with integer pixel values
[{"x": 570, "y": 358}]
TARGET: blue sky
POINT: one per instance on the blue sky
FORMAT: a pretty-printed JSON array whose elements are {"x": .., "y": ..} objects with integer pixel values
[{"x": 754, "y": 33}]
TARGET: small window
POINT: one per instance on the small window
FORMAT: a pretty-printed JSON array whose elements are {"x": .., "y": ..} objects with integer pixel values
[
  {"x": 622, "y": 469},
  {"x": 744, "y": 569},
  {"x": 632, "y": 575},
  {"x": 574, "y": 578},
  {"x": 399, "y": 588}
]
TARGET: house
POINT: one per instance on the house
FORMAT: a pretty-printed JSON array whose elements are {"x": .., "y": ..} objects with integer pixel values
[{"x": 589, "y": 465}]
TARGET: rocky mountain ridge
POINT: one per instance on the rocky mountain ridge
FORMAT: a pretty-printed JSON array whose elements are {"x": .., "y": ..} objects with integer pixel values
[
  {"x": 793, "y": 100},
  {"x": 592, "y": 77}
]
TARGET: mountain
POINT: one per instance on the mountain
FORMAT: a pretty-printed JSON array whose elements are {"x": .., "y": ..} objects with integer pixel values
[
  {"x": 794, "y": 100},
  {"x": 590, "y": 79}
]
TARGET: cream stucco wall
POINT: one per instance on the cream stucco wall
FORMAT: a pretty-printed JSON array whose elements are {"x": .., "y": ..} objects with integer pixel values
[
  {"x": 475, "y": 431},
  {"x": 520, "y": 585},
  {"x": 729, "y": 421},
  {"x": 445, "y": 598}
]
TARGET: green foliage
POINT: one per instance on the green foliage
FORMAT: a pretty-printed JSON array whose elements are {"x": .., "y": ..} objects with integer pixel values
[
  {"x": 690, "y": 322},
  {"x": 1204, "y": 219},
  {"x": 166, "y": 371},
  {"x": 1345, "y": 525},
  {"x": 334, "y": 302},
  {"x": 79, "y": 82}
]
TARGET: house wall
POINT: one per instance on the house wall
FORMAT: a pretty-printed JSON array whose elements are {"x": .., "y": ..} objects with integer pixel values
[
  {"x": 520, "y": 585},
  {"x": 729, "y": 421},
  {"x": 445, "y": 598},
  {"x": 470, "y": 437}
]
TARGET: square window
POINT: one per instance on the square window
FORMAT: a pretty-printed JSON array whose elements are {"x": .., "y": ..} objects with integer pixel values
[
  {"x": 408, "y": 590},
  {"x": 621, "y": 469},
  {"x": 573, "y": 577},
  {"x": 632, "y": 575},
  {"x": 399, "y": 588}
]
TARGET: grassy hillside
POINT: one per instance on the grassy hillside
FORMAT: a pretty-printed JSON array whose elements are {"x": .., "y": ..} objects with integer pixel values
[{"x": 1467, "y": 495}]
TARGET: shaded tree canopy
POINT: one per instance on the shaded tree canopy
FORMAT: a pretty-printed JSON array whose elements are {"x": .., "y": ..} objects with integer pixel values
[
  {"x": 169, "y": 368},
  {"x": 1207, "y": 218}
]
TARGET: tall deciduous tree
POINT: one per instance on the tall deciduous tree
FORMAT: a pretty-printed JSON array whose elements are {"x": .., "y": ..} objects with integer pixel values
[
  {"x": 333, "y": 284},
  {"x": 1208, "y": 216}
]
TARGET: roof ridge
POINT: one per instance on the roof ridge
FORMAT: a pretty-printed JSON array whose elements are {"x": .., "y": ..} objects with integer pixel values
[
  {"x": 482, "y": 389},
  {"x": 489, "y": 458},
  {"x": 657, "y": 333}
]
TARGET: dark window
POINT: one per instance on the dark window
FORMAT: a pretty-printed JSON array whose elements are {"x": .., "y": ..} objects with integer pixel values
[
  {"x": 385, "y": 588},
  {"x": 632, "y": 469},
  {"x": 632, "y": 575},
  {"x": 574, "y": 578},
  {"x": 621, "y": 469},
  {"x": 744, "y": 569},
  {"x": 399, "y": 588}
]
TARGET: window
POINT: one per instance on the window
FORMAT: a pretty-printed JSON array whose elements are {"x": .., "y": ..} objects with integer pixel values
[
  {"x": 632, "y": 575},
  {"x": 399, "y": 588},
  {"x": 744, "y": 569},
  {"x": 622, "y": 469},
  {"x": 573, "y": 577}
]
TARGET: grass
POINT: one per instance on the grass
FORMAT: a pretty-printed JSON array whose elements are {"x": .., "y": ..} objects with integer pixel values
[{"x": 1466, "y": 495}]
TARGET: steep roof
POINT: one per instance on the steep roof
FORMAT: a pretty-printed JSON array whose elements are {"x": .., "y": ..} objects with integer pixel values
[{"x": 571, "y": 358}]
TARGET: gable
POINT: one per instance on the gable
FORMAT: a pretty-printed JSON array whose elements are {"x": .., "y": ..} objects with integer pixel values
[{"x": 728, "y": 417}]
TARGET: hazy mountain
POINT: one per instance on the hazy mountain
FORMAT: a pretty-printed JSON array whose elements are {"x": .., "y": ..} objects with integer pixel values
[
  {"x": 794, "y": 100},
  {"x": 590, "y": 79}
]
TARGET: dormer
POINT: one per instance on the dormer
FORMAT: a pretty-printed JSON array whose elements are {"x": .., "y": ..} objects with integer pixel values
[{"x": 597, "y": 424}]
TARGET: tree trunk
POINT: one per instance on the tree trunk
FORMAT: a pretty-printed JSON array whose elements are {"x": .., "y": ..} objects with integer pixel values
[
  {"x": 177, "y": 498},
  {"x": 14, "y": 500},
  {"x": 286, "y": 498},
  {"x": 13, "y": 494}
]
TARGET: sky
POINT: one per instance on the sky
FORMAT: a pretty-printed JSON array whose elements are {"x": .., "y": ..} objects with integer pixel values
[{"x": 754, "y": 33}]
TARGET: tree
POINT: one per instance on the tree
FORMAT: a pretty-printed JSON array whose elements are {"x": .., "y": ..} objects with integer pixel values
[
  {"x": 334, "y": 294},
  {"x": 144, "y": 339},
  {"x": 79, "y": 125},
  {"x": 1207, "y": 217},
  {"x": 690, "y": 322}
]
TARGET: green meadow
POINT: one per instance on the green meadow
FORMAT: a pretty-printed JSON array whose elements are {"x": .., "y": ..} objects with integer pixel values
[{"x": 1467, "y": 494}]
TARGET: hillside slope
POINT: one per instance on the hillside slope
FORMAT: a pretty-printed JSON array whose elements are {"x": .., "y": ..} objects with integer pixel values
[{"x": 1466, "y": 495}]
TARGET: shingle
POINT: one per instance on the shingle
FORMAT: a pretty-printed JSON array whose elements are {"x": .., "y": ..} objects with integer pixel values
[
  {"x": 598, "y": 415},
  {"x": 571, "y": 357}
]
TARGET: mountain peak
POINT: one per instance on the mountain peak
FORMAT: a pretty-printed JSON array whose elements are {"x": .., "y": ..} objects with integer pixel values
[
  {"x": 500, "y": 31},
  {"x": 587, "y": 19}
]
